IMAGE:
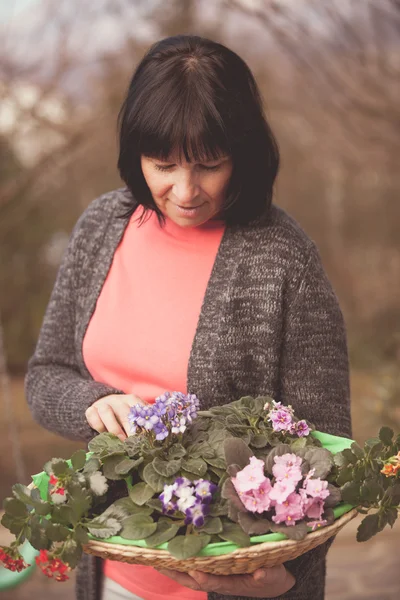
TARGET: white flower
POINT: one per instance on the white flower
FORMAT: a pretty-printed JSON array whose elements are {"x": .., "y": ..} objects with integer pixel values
[
  {"x": 185, "y": 502},
  {"x": 98, "y": 483},
  {"x": 59, "y": 498}
]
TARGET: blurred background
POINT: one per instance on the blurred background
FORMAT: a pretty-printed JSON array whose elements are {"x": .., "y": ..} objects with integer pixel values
[{"x": 329, "y": 74}]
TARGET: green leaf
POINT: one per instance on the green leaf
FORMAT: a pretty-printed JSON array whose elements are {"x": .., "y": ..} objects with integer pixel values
[
  {"x": 126, "y": 465},
  {"x": 195, "y": 465},
  {"x": 321, "y": 460},
  {"x": 166, "y": 530},
  {"x": 138, "y": 527},
  {"x": 253, "y": 526},
  {"x": 334, "y": 497},
  {"x": 393, "y": 494},
  {"x": 229, "y": 493},
  {"x": 166, "y": 468},
  {"x": 155, "y": 504},
  {"x": 15, "y": 507},
  {"x": 234, "y": 533},
  {"x": 38, "y": 538},
  {"x": 22, "y": 493},
  {"x": 107, "y": 444},
  {"x": 79, "y": 501},
  {"x": 81, "y": 534},
  {"x": 63, "y": 514},
  {"x": 358, "y": 451},
  {"x": 154, "y": 479},
  {"x": 124, "y": 507},
  {"x": 14, "y": 524},
  {"x": 237, "y": 452},
  {"x": 212, "y": 525},
  {"x": 176, "y": 451},
  {"x": 293, "y": 532},
  {"x": 351, "y": 493},
  {"x": 104, "y": 527},
  {"x": 258, "y": 440},
  {"x": 141, "y": 493},
  {"x": 110, "y": 465},
  {"x": 92, "y": 465},
  {"x": 386, "y": 435},
  {"x": 301, "y": 442},
  {"x": 185, "y": 546},
  {"x": 71, "y": 553},
  {"x": 59, "y": 466},
  {"x": 78, "y": 460},
  {"x": 345, "y": 475},
  {"x": 217, "y": 463},
  {"x": 391, "y": 516},
  {"x": 56, "y": 532},
  {"x": 368, "y": 527},
  {"x": 279, "y": 450},
  {"x": 371, "y": 491},
  {"x": 340, "y": 460}
]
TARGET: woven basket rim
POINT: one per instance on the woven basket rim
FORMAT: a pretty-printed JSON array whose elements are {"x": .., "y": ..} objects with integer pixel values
[{"x": 255, "y": 548}]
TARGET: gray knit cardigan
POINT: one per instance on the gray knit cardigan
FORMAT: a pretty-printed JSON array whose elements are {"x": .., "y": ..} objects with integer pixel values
[{"x": 270, "y": 324}]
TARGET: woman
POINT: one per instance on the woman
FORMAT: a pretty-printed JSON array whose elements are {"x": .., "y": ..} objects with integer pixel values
[{"x": 190, "y": 279}]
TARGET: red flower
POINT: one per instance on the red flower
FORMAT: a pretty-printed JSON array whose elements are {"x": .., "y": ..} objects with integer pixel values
[
  {"x": 52, "y": 566},
  {"x": 12, "y": 560},
  {"x": 53, "y": 480}
]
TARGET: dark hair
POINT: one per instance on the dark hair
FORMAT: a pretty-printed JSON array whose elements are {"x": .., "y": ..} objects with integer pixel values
[{"x": 194, "y": 95}]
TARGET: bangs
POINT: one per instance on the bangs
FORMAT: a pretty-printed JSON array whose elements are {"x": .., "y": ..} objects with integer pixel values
[{"x": 182, "y": 127}]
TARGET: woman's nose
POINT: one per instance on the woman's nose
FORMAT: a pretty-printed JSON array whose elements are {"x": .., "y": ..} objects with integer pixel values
[{"x": 185, "y": 189}]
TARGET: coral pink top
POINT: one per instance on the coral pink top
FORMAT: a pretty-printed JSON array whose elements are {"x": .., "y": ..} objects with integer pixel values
[{"x": 141, "y": 333}]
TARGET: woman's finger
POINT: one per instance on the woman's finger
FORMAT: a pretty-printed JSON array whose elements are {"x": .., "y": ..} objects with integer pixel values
[
  {"x": 122, "y": 415},
  {"x": 109, "y": 419},
  {"x": 93, "y": 418}
]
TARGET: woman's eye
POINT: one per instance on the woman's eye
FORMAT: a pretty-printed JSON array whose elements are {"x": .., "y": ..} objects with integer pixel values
[
  {"x": 206, "y": 168},
  {"x": 163, "y": 167}
]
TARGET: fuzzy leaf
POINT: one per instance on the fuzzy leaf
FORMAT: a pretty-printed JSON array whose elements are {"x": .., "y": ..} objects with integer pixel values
[
  {"x": 110, "y": 465},
  {"x": 141, "y": 493},
  {"x": 234, "y": 533},
  {"x": 217, "y": 463},
  {"x": 166, "y": 468},
  {"x": 386, "y": 435},
  {"x": 176, "y": 451},
  {"x": 321, "y": 460},
  {"x": 124, "y": 507},
  {"x": 126, "y": 465},
  {"x": 237, "y": 452},
  {"x": 233, "y": 470},
  {"x": 59, "y": 466},
  {"x": 368, "y": 527},
  {"x": 154, "y": 479},
  {"x": 185, "y": 546},
  {"x": 92, "y": 465},
  {"x": 195, "y": 465},
  {"x": 104, "y": 527},
  {"x": 166, "y": 530},
  {"x": 212, "y": 525},
  {"x": 334, "y": 497},
  {"x": 253, "y": 526},
  {"x": 107, "y": 444},
  {"x": 298, "y": 444},
  {"x": 229, "y": 493},
  {"x": 78, "y": 460},
  {"x": 293, "y": 532},
  {"x": 138, "y": 527},
  {"x": 258, "y": 440}
]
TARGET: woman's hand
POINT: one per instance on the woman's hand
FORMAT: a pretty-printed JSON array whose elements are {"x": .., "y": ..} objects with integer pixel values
[
  {"x": 263, "y": 583},
  {"x": 111, "y": 414}
]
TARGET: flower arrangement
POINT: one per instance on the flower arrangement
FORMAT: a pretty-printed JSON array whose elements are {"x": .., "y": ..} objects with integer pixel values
[{"x": 186, "y": 479}]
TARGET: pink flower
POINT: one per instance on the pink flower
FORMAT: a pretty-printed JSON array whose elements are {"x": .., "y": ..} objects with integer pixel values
[
  {"x": 289, "y": 511},
  {"x": 317, "y": 524},
  {"x": 251, "y": 477},
  {"x": 281, "y": 419},
  {"x": 317, "y": 488},
  {"x": 287, "y": 466},
  {"x": 313, "y": 508},
  {"x": 282, "y": 489},
  {"x": 258, "y": 500},
  {"x": 302, "y": 429}
]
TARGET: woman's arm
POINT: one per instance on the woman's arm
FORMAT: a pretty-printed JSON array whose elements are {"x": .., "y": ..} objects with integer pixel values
[
  {"x": 315, "y": 379},
  {"x": 58, "y": 394}
]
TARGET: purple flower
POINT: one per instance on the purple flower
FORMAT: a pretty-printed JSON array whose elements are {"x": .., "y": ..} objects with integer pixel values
[
  {"x": 166, "y": 497},
  {"x": 204, "y": 490},
  {"x": 281, "y": 419},
  {"x": 302, "y": 429},
  {"x": 196, "y": 514},
  {"x": 160, "y": 430}
]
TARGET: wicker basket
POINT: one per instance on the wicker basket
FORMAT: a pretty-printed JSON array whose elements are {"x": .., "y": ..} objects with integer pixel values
[{"x": 243, "y": 560}]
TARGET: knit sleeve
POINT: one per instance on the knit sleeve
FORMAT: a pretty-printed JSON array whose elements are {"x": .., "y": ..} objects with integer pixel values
[
  {"x": 57, "y": 393},
  {"x": 315, "y": 381}
]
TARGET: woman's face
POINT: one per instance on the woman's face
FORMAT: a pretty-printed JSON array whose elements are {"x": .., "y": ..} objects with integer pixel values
[{"x": 188, "y": 193}]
